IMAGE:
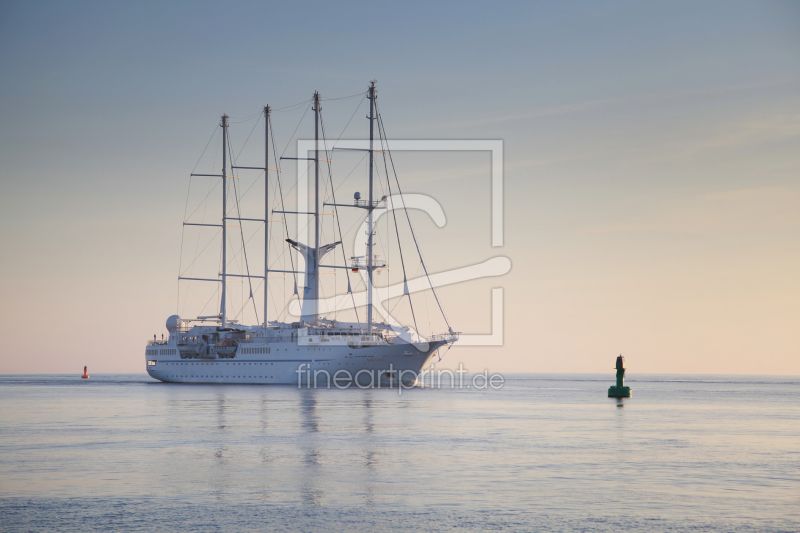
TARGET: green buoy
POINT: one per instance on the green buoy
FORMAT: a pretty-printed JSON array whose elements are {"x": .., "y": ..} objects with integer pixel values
[{"x": 620, "y": 390}]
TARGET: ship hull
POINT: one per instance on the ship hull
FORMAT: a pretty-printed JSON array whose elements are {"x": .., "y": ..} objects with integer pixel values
[{"x": 288, "y": 363}]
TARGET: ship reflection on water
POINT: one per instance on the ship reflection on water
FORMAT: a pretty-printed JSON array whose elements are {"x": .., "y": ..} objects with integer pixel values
[{"x": 318, "y": 443}]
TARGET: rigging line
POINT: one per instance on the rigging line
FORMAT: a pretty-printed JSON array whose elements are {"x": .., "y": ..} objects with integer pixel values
[
  {"x": 336, "y": 209},
  {"x": 244, "y": 252},
  {"x": 278, "y": 311},
  {"x": 340, "y": 138},
  {"x": 213, "y": 295},
  {"x": 280, "y": 192},
  {"x": 213, "y": 134},
  {"x": 383, "y": 245},
  {"x": 252, "y": 184},
  {"x": 286, "y": 148},
  {"x": 250, "y": 238},
  {"x": 428, "y": 314},
  {"x": 268, "y": 230},
  {"x": 277, "y": 259},
  {"x": 328, "y": 158},
  {"x": 197, "y": 244},
  {"x": 352, "y": 170},
  {"x": 352, "y": 227},
  {"x": 197, "y": 256},
  {"x": 419, "y": 252},
  {"x": 248, "y": 137},
  {"x": 242, "y": 119},
  {"x": 240, "y": 313},
  {"x": 304, "y": 173},
  {"x": 271, "y": 298},
  {"x": 190, "y": 292},
  {"x": 383, "y": 237},
  {"x": 349, "y": 121},
  {"x": 337, "y": 140},
  {"x": 343, "y": 97},
  {"x": 221, "y": 293},
  {"x": 180, "y": 257},
  {"x": 445, "y": 352},
  {"x": 233, "y": 163},
  {"x": 293, "y": 133},
  {"x": 241, "y": 232},
  {"x": 396, "y": 229},
  {"x": 284, "y": 151},
  {"x": 202, "y": 202},
  {"x": 398, "y": 302},
  {"x": 258, "y": 285},
  {"x": 299, "y": 227},
  {"x": 240, "y": 153},
  {"x": 186, "y": 208},
  {"x": 288, "y": 106}
]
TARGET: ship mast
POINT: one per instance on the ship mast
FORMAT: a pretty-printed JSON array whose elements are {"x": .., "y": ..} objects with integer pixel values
[
  {"x": 370, "y": 208},
  {"x": 224, "y": 215},
  {"x": 315, "y": 316},
  {"x": 266, "y": 213},
  {"x": 312, "y": 254}
]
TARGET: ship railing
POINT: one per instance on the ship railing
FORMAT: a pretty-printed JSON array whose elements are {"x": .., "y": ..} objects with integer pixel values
[
  {"x": 376, "y": 204},
  {"x": 260, "y": 339},
  {"x": 445, "y": 336},
  {"x": 158, "y": 342},
  {"x": 375, "y": 338},
  {"x": 361, "y": 263},
  {"x": 269, "y": 340}
]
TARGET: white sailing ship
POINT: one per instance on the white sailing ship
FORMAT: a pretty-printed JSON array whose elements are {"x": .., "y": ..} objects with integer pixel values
[{"x": 314, "y": 350}]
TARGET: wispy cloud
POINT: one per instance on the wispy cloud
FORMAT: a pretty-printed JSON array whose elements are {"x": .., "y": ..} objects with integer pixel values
[{"x": 604, "y": 103}]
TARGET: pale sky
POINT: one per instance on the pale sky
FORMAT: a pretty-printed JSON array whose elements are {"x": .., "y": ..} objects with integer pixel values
[{"x": 652, "y": 167}]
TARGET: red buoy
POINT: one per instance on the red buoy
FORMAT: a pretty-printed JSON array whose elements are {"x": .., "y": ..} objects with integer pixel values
[{"x": 85, "y": 373}]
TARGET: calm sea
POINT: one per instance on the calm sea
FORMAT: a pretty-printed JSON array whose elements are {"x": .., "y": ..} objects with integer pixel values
[{"x": 544, "y": 453}]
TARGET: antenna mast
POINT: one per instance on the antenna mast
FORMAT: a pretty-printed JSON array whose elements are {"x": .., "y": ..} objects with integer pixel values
[{"x": 224, "y": 215}]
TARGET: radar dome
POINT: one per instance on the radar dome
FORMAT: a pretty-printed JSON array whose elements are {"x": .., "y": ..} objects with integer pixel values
[
  {"x": 357, "y": 196},
  {"x": 173, "y": 323}
]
